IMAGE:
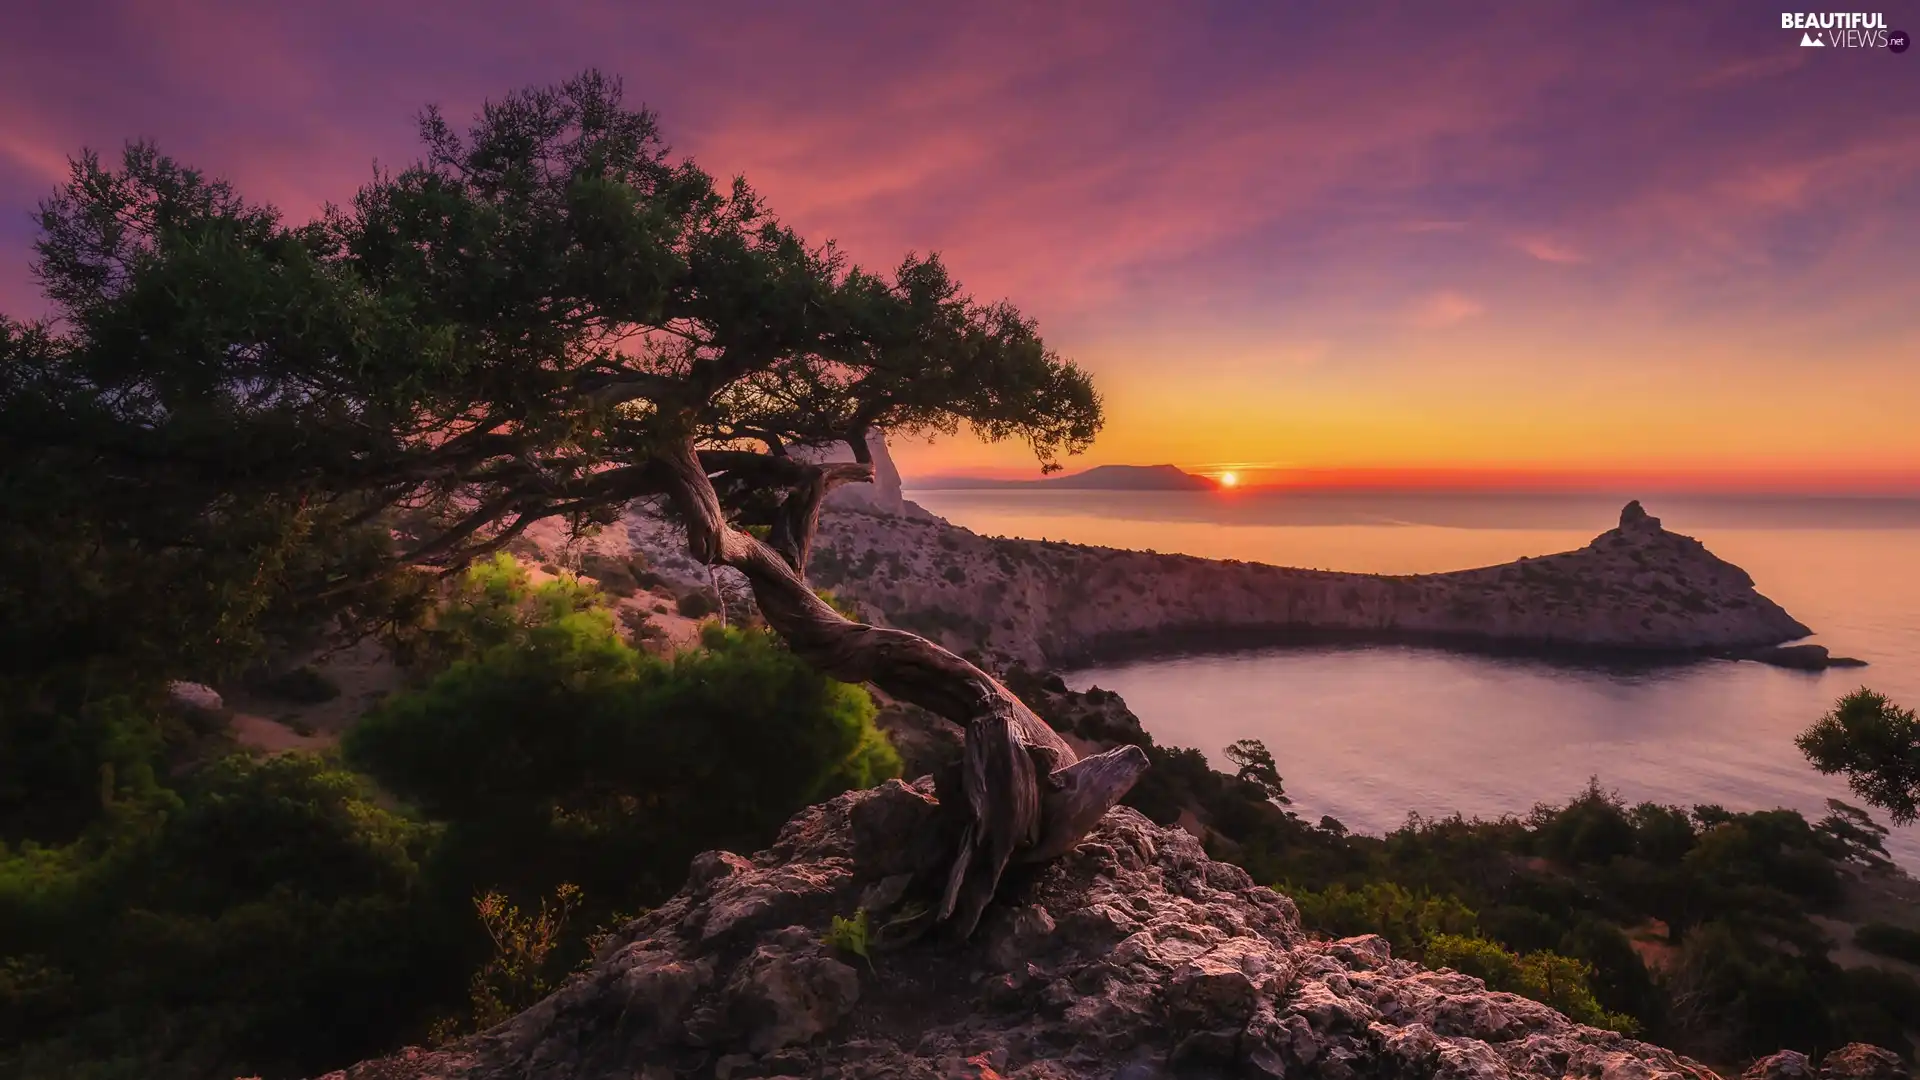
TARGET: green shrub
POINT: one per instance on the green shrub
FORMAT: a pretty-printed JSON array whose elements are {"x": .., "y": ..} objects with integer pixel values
[
  {"x": 492, "y": 606},
  {"x": 270, "y": 923},
  {"x": 1756, "y": 995},
  {"x": 303, "y": 684},
  {"x": 1546, "y": 977},
  {"x": 851, "y": 936},
  {"x": 65, "y": 763},
  {"x": 1619, "y": 978},
  {"x": 696, "y": 605},
  {"x": 1592, "y": 829},
  {"x": 844, "y": 607},
  {"x": 563, "y": 754},
  {"x": 522, "y": 968},
  {"x": 1897, "y": 942},
  {"x": 1406, "y": 919}
]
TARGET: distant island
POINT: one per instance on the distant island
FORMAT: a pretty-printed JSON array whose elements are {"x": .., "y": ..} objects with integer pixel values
[{"x": 1099, "y": 478}]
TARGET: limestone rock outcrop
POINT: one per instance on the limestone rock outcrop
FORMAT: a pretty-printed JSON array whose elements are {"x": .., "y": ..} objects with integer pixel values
[
  {"x": 883, "y": 495},
  {"x": 1135, "y": 956}
]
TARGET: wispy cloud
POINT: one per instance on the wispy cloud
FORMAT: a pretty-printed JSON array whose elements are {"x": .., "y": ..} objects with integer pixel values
[
  {"x": 1550, "y": 250},
  {"x": 1445, "y": 308}
]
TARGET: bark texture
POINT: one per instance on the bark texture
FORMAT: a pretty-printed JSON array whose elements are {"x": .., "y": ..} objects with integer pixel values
[{"x": 1028, "y": 796}]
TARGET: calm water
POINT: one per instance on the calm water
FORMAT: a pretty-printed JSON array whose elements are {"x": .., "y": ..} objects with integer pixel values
[{"x": 1371, "y": 733}]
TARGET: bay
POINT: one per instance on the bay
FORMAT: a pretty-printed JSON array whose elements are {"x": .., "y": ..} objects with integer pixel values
[{"x": 1371, "y": 733}]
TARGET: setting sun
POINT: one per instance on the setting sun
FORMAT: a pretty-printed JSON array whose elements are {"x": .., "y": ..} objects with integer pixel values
[{"x": 1228, "y": 479}]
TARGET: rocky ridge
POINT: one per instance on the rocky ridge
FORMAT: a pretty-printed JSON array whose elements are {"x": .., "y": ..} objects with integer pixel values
[
  {"x": 1135, "y": 957},
  {"x": 1636, "y": 588}
]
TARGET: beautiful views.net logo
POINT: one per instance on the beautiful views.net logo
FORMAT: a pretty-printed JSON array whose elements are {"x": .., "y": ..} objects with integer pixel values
[{"x": 1845, "y": 30}]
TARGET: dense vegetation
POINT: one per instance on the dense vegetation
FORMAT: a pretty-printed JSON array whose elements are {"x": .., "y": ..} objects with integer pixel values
[
  {"x": 555, "y": 752},
  {"x": 1696, "y": 924},
  {"x": 275, "y": 916}
]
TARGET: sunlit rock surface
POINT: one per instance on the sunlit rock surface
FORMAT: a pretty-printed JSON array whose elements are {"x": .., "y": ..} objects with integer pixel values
[{"x": 1134, "y": 957}]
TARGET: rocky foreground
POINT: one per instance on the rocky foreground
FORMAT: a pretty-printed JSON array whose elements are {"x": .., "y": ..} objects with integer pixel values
[
  {"x": 1136, "y": 957},
  {"x": 1636, "y": 588}
]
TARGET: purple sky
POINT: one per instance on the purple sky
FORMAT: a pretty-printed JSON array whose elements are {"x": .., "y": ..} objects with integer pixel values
[{"x": 1572, "y": 236}]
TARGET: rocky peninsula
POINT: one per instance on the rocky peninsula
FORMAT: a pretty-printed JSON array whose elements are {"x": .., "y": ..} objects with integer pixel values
[{"x": 1637, "y": 588}]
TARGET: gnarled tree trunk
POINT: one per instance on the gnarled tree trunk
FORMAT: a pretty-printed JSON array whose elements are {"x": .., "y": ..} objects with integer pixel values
[{"x": 1028, "y": 795}]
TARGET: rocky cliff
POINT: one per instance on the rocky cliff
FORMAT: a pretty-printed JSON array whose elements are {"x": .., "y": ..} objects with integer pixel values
[
  {"x": 1636, "y": 587},
  {"x": 1135, "y": 957},
  {"x": 883, "y": 495}
]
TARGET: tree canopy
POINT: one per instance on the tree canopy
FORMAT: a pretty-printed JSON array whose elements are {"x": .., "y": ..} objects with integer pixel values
[
  {"x": 509, "y": 329},
  {"x": 237, "y": 427},
  {"x": 1876, "y": 744}
]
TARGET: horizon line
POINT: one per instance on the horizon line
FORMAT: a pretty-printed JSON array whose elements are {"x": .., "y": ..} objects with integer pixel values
[{"x": 1756, "y": 482}]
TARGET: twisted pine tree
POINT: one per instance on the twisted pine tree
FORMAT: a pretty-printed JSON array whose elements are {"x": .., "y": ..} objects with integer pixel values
[{"x": 547, "y": 316}]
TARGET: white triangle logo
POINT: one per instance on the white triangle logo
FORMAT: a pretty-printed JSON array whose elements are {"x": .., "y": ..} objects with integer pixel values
[{"x": 1809, "y": 41}]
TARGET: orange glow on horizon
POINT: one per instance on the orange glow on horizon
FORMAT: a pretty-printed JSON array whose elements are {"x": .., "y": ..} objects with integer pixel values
[
  {"x": 1702, "y": 481},
  {"x": 1680, "y": 479}
]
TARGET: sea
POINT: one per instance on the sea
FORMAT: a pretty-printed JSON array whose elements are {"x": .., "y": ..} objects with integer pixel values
[{"x": 1370, "y": 734}]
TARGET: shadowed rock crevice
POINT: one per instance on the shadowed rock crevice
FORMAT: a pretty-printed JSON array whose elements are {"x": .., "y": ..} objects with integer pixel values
[{"x": 1134, "y": 955}]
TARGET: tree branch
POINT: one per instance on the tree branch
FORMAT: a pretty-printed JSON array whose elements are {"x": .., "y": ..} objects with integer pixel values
[{"x": 1008, "y": 749}]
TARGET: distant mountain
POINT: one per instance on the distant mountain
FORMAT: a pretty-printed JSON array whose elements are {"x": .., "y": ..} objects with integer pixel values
[{"x": 1099, "y": 478}]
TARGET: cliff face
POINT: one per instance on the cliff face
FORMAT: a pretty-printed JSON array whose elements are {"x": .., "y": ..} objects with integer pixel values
[
  {"x": 883, "y": 495},
  {"x": 1134, "y": 957},
  {"x": 1635, "y": 587}
]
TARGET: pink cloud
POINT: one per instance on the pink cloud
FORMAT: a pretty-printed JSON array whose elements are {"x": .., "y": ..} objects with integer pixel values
[
  {"x": 1548, "y": 249},
  {"x": 1445, "y": 308}
]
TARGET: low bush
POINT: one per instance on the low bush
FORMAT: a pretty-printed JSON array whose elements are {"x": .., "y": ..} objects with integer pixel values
[
  {"x": 1546, "y": 977},
  {"x": 559, "y": 753},
  {"x": 302, "y": 684},
  {"x": 267, "y": 919},
  {"x": 1897, "y": 942}
]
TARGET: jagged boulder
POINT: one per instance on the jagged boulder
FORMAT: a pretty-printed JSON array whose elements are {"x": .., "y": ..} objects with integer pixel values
[
  {"x": 1854, "y": 1061},
  {"x": 1135, "y": 956},
  {"x": 1860, "y": 1061},
  {"x": 1785, "y": 1065}
]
